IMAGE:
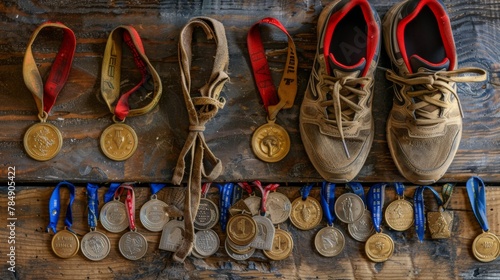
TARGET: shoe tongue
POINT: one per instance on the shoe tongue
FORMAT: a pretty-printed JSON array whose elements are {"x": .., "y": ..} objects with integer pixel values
[
  {"x": 340, "y": 70},
  {"x": 417, "y": 62}
]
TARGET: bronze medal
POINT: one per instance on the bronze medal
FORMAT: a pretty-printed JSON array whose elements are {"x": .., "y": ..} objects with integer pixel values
[
  {"x": 399, "y": 215},
  {"x": 241, "y": 229},
  {"x": 42, "y": 141},
  {"x": 329, "y": 241},
  {"x": 282, "y": 246},
  {"x": 95, "y": 245},
  {"x": 270, "y": 142},
  {"x": 65, "y": 244},
  {"x": 486, "y": 247},
  {"x": 379, "y": 247},
  {"x": 306, "y": 214},
  {"x": 118, "y": 141},
  {"x": 440, "y": 224}
]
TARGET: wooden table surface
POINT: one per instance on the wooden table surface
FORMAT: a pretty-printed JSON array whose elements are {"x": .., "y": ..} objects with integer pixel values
[{"x": 81, "y": 115}]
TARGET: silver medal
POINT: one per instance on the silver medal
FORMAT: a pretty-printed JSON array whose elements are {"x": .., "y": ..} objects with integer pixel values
[
  {"x": 278, "y": 207},
  {"x": 207, "y": 215},
  {"x": 153, "y": 214},
  {"x": 133, "y": 245},
  {"x": 265, "y": 233},
  {"x": 172, "y": 236},
  {"x": 113, "y": 216},
  {"x": 206, "y": 243},
  {"x": 95, "y": 245}
]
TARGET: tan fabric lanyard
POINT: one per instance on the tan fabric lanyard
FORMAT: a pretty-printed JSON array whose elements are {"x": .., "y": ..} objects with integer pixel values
[{"x": 200, "y": 110}]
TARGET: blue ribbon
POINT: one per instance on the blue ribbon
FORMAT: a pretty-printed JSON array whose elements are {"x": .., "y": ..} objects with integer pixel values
[
  {"x": 477, "y": 196},
  {"x": 418, "y": 203},
  {"x": 400, "y": 189},
  {"x": 155, "y": 188},
  {"x": 226, "y": 195},
  {"x": 328, "y": 202},
  {"x": 375, "y": 202},
  {"x": 305, "y": 190},
  {"x": 110, "y": 194},
  {"x": 55, "y": 207},
  {"x": 237, "y": 193},
  {"x": 92, "y": 204},
  {"x": 357, "y": 189}
]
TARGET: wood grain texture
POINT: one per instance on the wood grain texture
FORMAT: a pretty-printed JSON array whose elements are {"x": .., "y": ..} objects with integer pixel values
[
  {"x": 81, "y": 114},
  {"x": 433, "y": 259}
]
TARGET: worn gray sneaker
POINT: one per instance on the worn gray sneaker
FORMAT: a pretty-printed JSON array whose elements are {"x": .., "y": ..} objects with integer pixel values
[
  {"x": 424, "y": 127},
  {"x": 336, "y": 123}
]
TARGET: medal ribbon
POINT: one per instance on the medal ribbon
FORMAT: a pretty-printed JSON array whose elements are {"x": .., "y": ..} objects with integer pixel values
[
  {"x": 226, "y": 193},
  {"x": 246, "y": 186},
  {"x": 476, "y": 191},
  {"x": 328, "y": 202},
  {"x": 129, "y": 203},
  {"x": 200, "y": 110},
  {"x": 265, "y": 193},
  {"x": 400, "y": 189},
  {"x": 110, "y": 194},
  {"x": 155, "y": 188},
  {"x": 92, "y": 205},
  {"x": 305, "y": 190},
  {"x": 55, "y": 207},
  {"x": 45, "y": 95},
  {"x": 446, "y": 193},
  {"x": 204, "y": 189},
  {"x": 288, "y": 86},
  {"x": 375, "y": 203},
  {"x": 357, "y": 189},
  {"x": 110, "y": 73},
  {"x": 418, "y": 200}
]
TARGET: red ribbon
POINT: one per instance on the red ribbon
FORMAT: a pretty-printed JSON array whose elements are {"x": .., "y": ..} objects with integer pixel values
[
  {"x": 265, "y": 192},
  {"x": 129, "y": 203}
]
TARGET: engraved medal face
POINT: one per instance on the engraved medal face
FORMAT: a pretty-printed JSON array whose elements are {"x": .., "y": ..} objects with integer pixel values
[
  {"x": 306, "y": 214},
  {"x": 270, "y": 142},
  {"x": 241, "y": 229},
  {"x": 113, "y": 216},
  {"x": 486, "y": 247},
  {"x": 153, "y": 215},
  {"x": 379, "y": 247},
  {"x": 206, "y": 243},
  {"x": 349, "y": 208},
  {"x": 239, "y": 257},
  {"x": 65, "y": 244},
  {"x": 265, "y": 233},
  {"x": 363, "y": 228},
  {"x": 172, "y": 236},
  {"x": 440, "y": 224},
  {"x": 133, "y": 245},
  {"x": 278, "y": 207},
  {"x": 282, "y": 246},
  {"x": 95, "y": 245},
  {"x": 399, "y": 215},
  {"x": 118, "y": 141},
  {"x": 42, "y": 141},
  {"x": 329, "y": 241},
  {"x": 207, "y": 215},
  {"x": 253, "y": 203}
]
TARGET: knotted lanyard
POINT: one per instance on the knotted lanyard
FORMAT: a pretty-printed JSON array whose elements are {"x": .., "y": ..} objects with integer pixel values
[
  {"x": 92, "y": 205},
  {"x": 55, "y": 207},
  {"x": 200, "y": 110},
  {"x": 418, "y": 201},
  {"x": 226, "y": 194},
  {"x": 476, "y": 191},
  {"x": 375, "y": 203},
  {"x": 265, "y": 193},
  {"x": 288, "y": 86},
  {"x": 45, "y": 95},
  {"x": 110, "y": 74},
  {"x": 328, "y": 202}
]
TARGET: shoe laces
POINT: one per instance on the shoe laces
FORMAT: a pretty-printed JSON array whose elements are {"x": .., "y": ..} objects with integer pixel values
[
  {"x": 431, "y": 92},
  {"x": 344, "y": 97}
]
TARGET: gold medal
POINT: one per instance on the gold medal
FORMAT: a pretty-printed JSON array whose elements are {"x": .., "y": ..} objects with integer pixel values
[
  {"x": 329, "y": 241},
  {"x": 306, "y": 214},
  {"x": 486, "y": 247},
  {"x": 270, "y": 142},
  {"x": 399, "y": 215},
  {"x": 42, "y": 141},
  {"x": 282, "y": 246},
  {"x": 241, "y": 229},
  {"x": 379, "y": 247},
  {"x": 118, "y": 141},
  {"x": 440, "y": 223},
  {"x": 65, "y": 244}
]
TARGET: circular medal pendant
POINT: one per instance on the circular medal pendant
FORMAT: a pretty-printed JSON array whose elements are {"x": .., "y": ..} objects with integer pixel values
[
  {"x": 379, "y": 247},
  {"x": 329, "y": 241},
  {"x": 207, "y": 215},
  {"x": 172, "y": 236},
  {"x": 306, "y": 214},
  {"x": 118, "y": 141},
  {"x": 278, "y": 207},
  {"x": 282, "y": 246},
  {"x": 95, "y": 245},
  {"x": 42, "y": 141},
  {"x": 399, "y": 215},
  {"x": 241, "y": 229},
  {"x": 65, "y": 244},
  {"x": 349, "y": 208},
  {"x": 270, "y": 142},
  {"x": 206, "y": 243},
  {"x": 153, "y": 215},
  {"x": 253, "y": 203},
  {"x": 133, "y": 245},
  {"x": 486, "y": 247},
  {"x": 363, "y": 228},
  {"x": 265, "y": 233},
  {"x": 239, "y": 257},
  {"x": 113, "y": 216}
]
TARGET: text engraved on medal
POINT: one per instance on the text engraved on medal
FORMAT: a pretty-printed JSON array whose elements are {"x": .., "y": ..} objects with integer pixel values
[
  {"x": 206, "y": 242},
  {"x": 486, "y": 247},
  {"x": 113, "y": 216},
  {"x": 65, "y": 244},
  {"x": 207, "y": 215},
  {"x": 153, "y": 215}
]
